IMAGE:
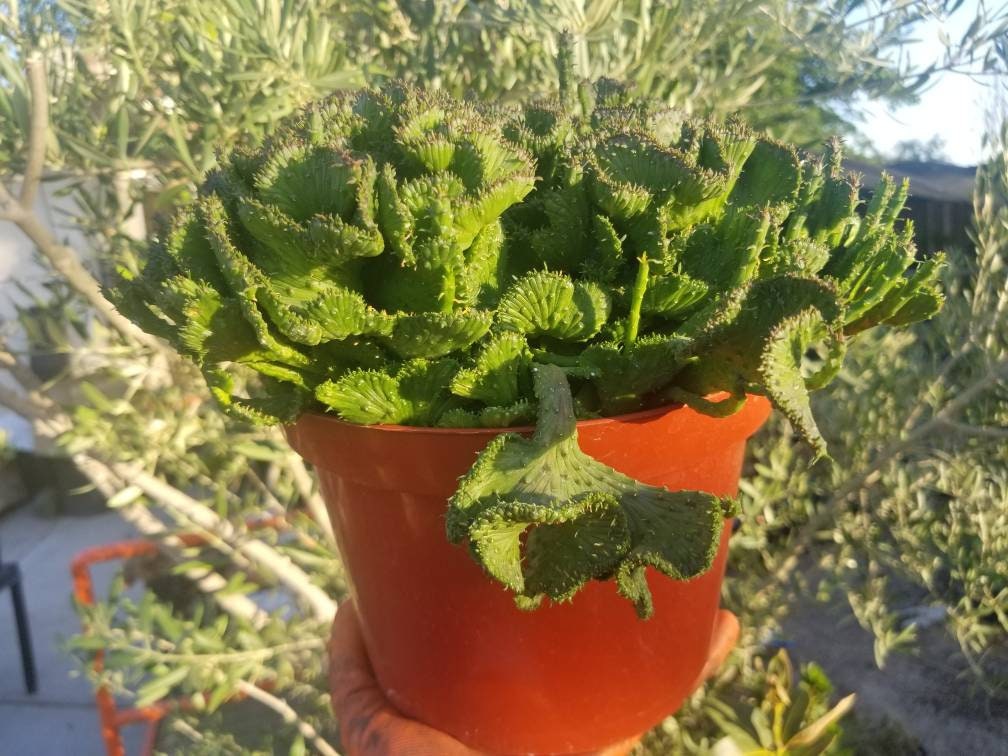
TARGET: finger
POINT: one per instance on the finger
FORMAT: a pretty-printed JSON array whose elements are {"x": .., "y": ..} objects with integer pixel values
[
  {"x": 369, "y": 724},
  {"x": 351, "y": 680}
]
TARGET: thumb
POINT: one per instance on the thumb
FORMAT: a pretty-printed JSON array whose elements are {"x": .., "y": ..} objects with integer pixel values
[{"x": 369, "y": 724}]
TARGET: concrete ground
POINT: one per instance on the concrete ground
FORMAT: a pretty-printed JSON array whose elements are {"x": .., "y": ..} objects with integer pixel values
[
  {"x": 930, "y": 693},
  {"x": 60, "y": 719}
]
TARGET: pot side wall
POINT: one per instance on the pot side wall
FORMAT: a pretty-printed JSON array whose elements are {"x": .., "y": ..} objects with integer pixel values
[{"x": 448, "y": 644}]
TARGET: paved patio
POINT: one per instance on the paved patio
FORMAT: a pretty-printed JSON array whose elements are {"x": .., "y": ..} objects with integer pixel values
[{"x": 60, "y": 719}]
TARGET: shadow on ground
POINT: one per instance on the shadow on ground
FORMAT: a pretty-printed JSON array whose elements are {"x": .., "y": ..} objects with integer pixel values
[
  {"x": 59, "y": 720},
  {"x": 930, "y": 694}
]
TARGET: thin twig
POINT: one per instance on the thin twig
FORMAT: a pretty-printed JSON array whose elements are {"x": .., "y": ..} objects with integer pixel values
[
  {"x": 170, "y": 656},
  {"x": 257, "y": 551},
  {"x": 312, "y": 499},
  {"x": 936, "y": 384},
  {"x": 273, "y": 503},
  {"x": 209, "y": 582},
  {"x": 289, "y": 715},
  {"x": 37, "y": 130},
  {"x": 187, "y": 730},
  {"x": 976, "y": 430}
]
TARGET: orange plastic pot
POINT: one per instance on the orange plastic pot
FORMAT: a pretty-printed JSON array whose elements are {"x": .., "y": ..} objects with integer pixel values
[{"x": 447, "y": 643}]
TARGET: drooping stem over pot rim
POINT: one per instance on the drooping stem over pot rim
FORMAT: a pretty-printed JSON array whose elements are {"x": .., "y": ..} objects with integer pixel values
[
  {"x": 398, "y": 256},
  {"x": 543, "y": 517}
]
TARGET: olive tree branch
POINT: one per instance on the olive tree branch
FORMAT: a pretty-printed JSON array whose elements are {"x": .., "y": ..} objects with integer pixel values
[
  {"x": 288, "y": 714},
  {"x": 37, "y": 130},
  {"x": 258, "y": 552},
  {"x": 212, "y": 539},
  {"x": 49, "y": 418},
  {"x": 65, "y": 262},
  {"x": 178, "y": 503},
  {"x": 21, "y": 212},
  {"x": 121, "y": 640},
  {"x": 944, "y": 418},
  {"x": 208, "y": 581}
]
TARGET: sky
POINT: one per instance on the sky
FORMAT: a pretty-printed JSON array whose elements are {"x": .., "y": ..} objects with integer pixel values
[{"x": 953, "y": 107}]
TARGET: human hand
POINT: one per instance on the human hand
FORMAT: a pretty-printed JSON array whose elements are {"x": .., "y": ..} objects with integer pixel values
[{"x": 371, "y": 726}]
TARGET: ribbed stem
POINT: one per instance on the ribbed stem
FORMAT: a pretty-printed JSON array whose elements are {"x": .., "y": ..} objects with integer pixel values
[
  {"x": 636, "y": 300},
  {"x": 556, "y": 420}
]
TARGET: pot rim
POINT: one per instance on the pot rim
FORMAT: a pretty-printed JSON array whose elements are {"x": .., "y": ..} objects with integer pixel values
[{"x": 630, "y": 417}]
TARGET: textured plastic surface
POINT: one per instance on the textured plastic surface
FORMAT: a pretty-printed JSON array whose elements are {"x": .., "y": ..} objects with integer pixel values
[{"x": 449, "y": 646}]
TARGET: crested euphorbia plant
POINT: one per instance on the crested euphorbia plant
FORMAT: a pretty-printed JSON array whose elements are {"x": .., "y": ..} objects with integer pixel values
[{"x": 397, "y": 256}]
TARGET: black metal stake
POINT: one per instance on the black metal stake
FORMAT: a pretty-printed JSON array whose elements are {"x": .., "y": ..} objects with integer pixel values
[{"x": 10, "y": 576}]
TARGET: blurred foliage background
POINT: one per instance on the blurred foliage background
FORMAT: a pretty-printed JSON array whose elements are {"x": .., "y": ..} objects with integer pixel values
[{"x": 121, "y": 105}]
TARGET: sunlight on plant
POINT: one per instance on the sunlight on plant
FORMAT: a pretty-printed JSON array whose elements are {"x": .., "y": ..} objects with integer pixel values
[{"x": 141, "y": 97}]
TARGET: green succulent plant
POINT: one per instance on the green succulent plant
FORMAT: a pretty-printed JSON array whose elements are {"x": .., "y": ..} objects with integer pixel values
[
  {"x": 363, "y": 235},
  {"x": 398, "y": 256}
]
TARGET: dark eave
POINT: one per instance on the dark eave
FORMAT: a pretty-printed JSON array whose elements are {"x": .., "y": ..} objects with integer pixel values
[{"x": 932, "y": 180}]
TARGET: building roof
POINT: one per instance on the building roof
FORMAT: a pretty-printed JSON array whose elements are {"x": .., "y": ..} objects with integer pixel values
[{"x": 930, "y": 180}]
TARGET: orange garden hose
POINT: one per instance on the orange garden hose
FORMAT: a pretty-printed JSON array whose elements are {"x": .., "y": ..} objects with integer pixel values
[
  {"x": 111, "y": 717},
  {"x": 109, "y": 714}
]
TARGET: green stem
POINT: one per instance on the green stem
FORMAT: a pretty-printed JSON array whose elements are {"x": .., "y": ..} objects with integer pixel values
[
  {"x": 447, "y": 302},
  {"x": 552, "y": 358},
  {"x": 759, "y": 241},
  {"x": 636, "y": 300},
  {"x": 565, "y": 72},
  {"x": 556, "y": 421}
]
